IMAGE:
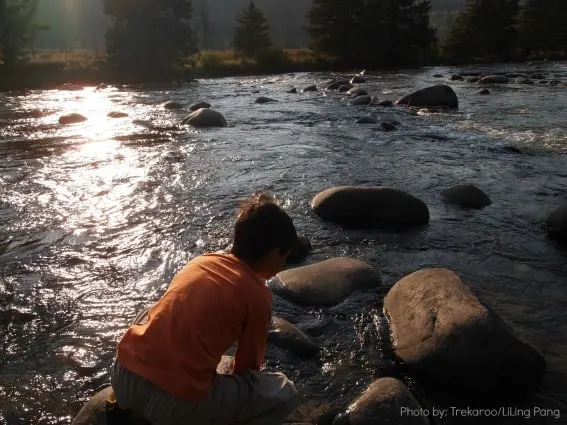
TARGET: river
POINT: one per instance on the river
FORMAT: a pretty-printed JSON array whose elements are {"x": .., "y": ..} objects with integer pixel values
[{"x": 96, "y": 217}]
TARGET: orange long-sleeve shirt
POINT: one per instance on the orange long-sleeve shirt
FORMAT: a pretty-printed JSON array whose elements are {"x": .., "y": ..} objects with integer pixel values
[{"x": 213, "y": 302}]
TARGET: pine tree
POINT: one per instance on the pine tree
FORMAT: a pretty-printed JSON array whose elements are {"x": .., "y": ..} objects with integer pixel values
[
  {"x": 486, "y": 29},
  {"x": 543, "y": 27},
  {"x": 252, "y": 33},
  {"x": 149, "y": 35},
  {"x": 16, "y": 28},
  {"x": 372, "y": 33}
]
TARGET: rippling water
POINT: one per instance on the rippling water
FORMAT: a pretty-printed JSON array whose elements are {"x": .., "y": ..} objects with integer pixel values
[{"x": 95, "y": 218}]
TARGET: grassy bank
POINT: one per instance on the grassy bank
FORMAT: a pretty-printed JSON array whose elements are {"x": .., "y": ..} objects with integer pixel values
[{"x": 50, "y": 69}]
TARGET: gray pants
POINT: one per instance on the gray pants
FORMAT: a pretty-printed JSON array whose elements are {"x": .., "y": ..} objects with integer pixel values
[{"x": 250, "y": 398}]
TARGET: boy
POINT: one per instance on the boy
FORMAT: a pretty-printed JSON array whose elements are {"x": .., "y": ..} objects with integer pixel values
[{"x": 165, "y": 370}]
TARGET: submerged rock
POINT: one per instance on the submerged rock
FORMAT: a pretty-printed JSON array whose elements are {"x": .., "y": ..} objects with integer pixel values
[
  {"x": 287, "y": 336},
  {"x": 345, "y": 88},
  {"x": 312, "y": 87},
  {"x": 357, "y": 91},
  {"x": 386, "y": 103},
  {"x": 300, "y": 251},
  {"x": 357, "y": 80},
  {"x": 336, "y": 84},
  {"x": 466, "y": 195},
  {"x": 325, "y": 283},
  {"x": 199, "y": 105},
  {"x": 438, "y": 76},
  {"x": 263, "y": 99},
  {"x": 494, "y": 79},
  {"x": 484, "y": 91},
  {"x": 205, "y": 117},
  {"x": 524, "y": 80},
  {"x": 172, "y": 105},
  {"x": 72, "y": 118},
  {"x": 367, "y": 120},
  {"x": 361, "y": 100},
  {"x": 385, "y": 401},
  {"x": 443, "y": 333},
  {"x": 456, "y": 77},
  {"x": 440, "y": 95},
  {"x": 557, "y": 223},
  {"x": 387, "y": 126},
  {"x": 377, "y": 206},
  {"x": 117, "y": 114}
]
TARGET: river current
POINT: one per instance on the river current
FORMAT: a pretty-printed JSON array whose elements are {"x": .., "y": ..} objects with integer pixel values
[{"x": 96, "y": 217}]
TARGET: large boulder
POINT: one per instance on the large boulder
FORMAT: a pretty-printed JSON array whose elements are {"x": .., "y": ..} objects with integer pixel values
[
  {"x": 377, "y": 206},
  {"x": 443, "y": 333},
  {"x": 386, "y": 401},
  {"x": 325, "y": 283},
  {"x": 72, "y": 119},
  {"x": 205, "y": 117},
  {"x": 102, "y": 409},
  {"x": 466, "y": 195},
  {"x": 439, "y": 95},
  {"x": 494, "y": 79},
  {"x": 285, "y": 335},
  {"x": 557, "y": 223}
]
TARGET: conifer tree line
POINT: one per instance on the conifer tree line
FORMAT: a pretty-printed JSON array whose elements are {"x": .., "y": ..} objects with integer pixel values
[{"x": 159, "y": 34}]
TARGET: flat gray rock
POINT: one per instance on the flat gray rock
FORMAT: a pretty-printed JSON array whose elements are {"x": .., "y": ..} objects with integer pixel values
[
  {"x": 205, "y": 117},
  {"x": 443, "y": 332},
  {"x": 385, "y": 401},
  {"x": 557, "y": 223},
  {"x": 375, "y": 206},
  {"x": 440, "y": 95},
  {"x": 325, "y": 283},
  {"x": 287, "y": 336},
  {"x": 466, "y": 195}
]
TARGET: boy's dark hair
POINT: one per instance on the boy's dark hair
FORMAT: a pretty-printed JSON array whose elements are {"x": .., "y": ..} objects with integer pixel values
[{"x": 260, "y": 227}]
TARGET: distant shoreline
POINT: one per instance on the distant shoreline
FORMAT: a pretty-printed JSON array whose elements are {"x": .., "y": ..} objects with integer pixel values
[{"x": 89, "y": 69}]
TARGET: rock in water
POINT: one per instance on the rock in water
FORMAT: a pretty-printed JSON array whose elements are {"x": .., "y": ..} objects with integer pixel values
[
  {"x": 117, "y": 114},
  {"x": 377, "y": 206},
  {"x": 263, "y": 99},
  {"x": 361, "y": 100},
  {"x": 205, "y": 117},
  {"x": 440, "y": 95},
  {"x": 466, "y": 195},
  {"x": 386, "y": 103},
  {"x": 287, "y": 336},
  {"x": 199, "y": 105},
  {"x": 325, "y": 283},
  {"x": 336, "y": 84},
  {"x": 172, "y": 105},
  {"x": 484, "y": 91},
  {"x": 312, "y": 87},
  {"x": 557, "y": 223},
  {"x": 457, "y": 77},
  {"x": 385, "y": 401},
  {"x": 367, "y": 120},
  {"x": 357, "y": 91},
  {"x": 72, "y": 119},
  {"x": 387, "y": 126},
  {"x": 357, "y": 80},
  {"x": 444, "y": 334},
  {"x": 494, "y": 79},
  {"x": 300, "y": 251},
  {"x": 102, "y": 409},
  {"x": 292, "y": 90}
]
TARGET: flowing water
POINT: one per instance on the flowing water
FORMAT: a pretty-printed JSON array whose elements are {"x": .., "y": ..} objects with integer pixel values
[{"x": 96, "y": 217}]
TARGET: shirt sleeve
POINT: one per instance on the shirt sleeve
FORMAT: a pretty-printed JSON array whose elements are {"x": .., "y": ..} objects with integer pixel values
[{"x": 252, "y": 341}]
